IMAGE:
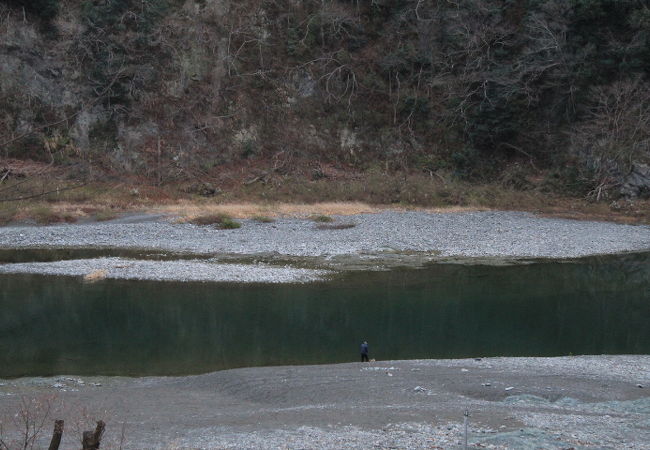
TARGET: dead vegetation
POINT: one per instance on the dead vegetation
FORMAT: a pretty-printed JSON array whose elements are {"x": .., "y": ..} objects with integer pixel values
[
  {"x": 335, "y": 226},
  {"x": 183, "y": 94},
  {"x": 298, "y": 196},
  {"x": 27, "y": 428},
  {"x": 223, "y": 221},
  {"x": 96, "y": 275},
  {"x": 263, "y": 219},
  {"x": 263, "y": 211},
  {"x": 321, "y": 218}
]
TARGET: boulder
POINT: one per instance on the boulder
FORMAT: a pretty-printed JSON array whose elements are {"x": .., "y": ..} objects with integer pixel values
[{"x": 637, "y": 183}]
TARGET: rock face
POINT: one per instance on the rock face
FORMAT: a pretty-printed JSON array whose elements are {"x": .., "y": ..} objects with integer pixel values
[
  {"x": 169, "y": 88},
  {"x": 637, "y": 182},
  {"x": 150, "y": 90}
]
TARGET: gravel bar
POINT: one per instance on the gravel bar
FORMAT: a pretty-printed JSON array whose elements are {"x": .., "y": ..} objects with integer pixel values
[
  {"x": 580, "y": 402},
  {"x": 132, "y": 269},
  {"x": 464, "y": 234}
]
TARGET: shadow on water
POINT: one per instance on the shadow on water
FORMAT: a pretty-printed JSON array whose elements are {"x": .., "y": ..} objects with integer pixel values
[
  {"x": 59, "y": 325},
  {"x": 59, "y": 254}
]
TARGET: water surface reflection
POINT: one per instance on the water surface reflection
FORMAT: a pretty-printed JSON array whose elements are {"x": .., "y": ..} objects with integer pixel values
[{"x": 59, "y": 325}]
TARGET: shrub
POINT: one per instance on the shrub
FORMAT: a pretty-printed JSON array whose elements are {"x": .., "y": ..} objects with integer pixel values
[
  {"x": 248, "y": 149},
  {"x": 229, "y": 224},
  {"x": 45, "y": 215},
  {"x": 337, "y": 226},
  {"x": 322, "y": 218},
  {"x": 221, "y": 220}
]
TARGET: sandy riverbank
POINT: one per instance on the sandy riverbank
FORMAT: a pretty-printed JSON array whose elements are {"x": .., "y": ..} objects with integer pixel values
[{"x": 567, "y": 402}]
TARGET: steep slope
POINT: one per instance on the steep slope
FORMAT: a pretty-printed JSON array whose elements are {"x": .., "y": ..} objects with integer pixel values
[{"x": 172, "y": 88}]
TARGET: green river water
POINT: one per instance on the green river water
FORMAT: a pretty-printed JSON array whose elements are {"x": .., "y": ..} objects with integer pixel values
[{"x": 60, "y": 325}]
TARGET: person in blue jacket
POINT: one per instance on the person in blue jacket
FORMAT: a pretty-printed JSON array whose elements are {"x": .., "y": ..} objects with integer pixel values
[{"x": 364, "y": 352}]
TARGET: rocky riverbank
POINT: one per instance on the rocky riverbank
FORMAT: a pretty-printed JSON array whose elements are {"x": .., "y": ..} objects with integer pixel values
[
  {"x": 181, "y": 270},
  {"x": 367, "y": 241},
  {"x": 567, "y": 402}
]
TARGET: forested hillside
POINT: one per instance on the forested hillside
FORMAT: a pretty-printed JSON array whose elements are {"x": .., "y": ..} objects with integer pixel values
[{"x": 512, "y": 90}]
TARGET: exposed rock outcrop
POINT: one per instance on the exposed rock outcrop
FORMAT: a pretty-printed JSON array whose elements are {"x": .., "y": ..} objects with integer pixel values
[{"x": 637, "y": 182}]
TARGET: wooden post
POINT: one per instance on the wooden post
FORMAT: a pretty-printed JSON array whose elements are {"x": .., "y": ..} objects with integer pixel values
[
  {"x": 56, "y": 436},
  {"x": 466, "y": 416},
  {"x": 91, "y": 439},
  {"x": 159, "y": 163}
]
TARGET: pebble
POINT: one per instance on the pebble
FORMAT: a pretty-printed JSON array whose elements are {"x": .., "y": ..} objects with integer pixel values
[
  {"x": 386, "y": 238},
  {"x": 472, "y": 234},
  {"x": 182, "y": 270}
]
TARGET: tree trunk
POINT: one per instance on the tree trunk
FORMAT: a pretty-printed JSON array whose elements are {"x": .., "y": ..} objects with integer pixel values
[
  {"x": 56, "y": 436},
  {"x": 91, "y": 439}
]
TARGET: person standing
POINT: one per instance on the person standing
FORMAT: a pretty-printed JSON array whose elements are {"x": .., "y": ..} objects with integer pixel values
[{"x": 364, "y": 352}]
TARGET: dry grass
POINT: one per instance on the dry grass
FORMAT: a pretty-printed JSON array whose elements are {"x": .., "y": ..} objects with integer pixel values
[
  {"x": 637, "y": 212},
  {"x": 263, "y": 219},
  {"x": 106, "y": 214},
  {"x": 45, "y": 214},
  {"x": 188, "y": 210},
  {"x": 48, "y": 213},
  {"x": 8, "y": 212},
  {"x": 299, "y": 197},
  {"x": 96, "y": 275},
  {"x": 222, "y": 221}
]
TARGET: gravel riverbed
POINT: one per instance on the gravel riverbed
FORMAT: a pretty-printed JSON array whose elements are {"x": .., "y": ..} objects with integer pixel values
[
  {"x": 472, "y": 234},
  {"x": 570, "y": 402},
  {"x": 584, "y": 402},
  {"x": 131, "y": 269},
  {"x": 384, "y": 239}
]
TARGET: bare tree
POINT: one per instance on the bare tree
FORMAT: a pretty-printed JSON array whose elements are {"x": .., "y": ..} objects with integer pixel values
[
  {"x": 29, "y": 422},
  {"x": 614, "y": 135}
]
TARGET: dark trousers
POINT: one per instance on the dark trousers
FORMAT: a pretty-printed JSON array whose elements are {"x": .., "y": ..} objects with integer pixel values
[{"x": 364, "y": 357}]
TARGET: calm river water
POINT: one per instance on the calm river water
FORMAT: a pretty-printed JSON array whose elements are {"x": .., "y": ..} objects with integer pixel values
[{"x": 60, "y": 325}]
